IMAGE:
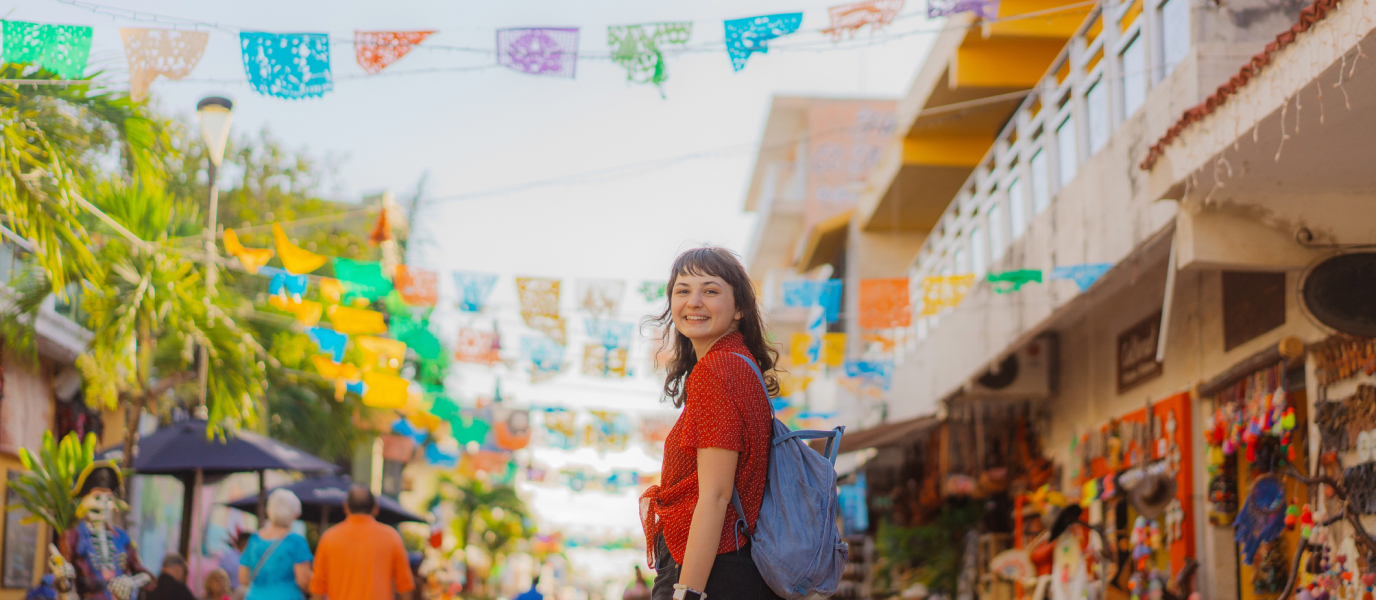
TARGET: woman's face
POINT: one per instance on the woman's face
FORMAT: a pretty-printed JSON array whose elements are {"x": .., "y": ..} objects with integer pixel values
[{"x": 704, "y": 307}]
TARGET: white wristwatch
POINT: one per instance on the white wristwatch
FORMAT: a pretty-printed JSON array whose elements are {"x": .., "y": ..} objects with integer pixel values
[{"x": 683, "y": 592}]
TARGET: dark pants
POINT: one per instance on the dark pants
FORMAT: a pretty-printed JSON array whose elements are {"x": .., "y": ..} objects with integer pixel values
[{"x": 733, "y": 576}]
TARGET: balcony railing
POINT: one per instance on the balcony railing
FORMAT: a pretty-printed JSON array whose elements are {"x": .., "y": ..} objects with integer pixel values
[{"x": 1100, "y": 80}]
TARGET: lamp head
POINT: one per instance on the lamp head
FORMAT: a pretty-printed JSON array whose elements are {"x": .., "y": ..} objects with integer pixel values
[{"x": 215, "y": 114}]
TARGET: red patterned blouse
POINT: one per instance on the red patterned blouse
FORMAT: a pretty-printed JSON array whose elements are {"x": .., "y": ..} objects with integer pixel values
[{"x": 725, "y": 408}]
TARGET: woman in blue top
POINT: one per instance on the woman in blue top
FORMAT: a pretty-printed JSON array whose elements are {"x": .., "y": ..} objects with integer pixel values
[{"x": 277, "y": 563}]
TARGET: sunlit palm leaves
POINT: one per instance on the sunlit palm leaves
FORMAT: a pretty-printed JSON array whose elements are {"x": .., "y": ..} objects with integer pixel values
[{"x": 45, "y": 487}]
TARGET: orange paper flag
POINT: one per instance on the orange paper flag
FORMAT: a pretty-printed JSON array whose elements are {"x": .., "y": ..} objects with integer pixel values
[
  {"x": 384, "y": 391},
  {"x": 251, "y": 258},
  {"x": 296, "y": 260},
  {"x": 418, "y": 287},
  {"x": 884, "y": 303},
  {"x": 354, "y": 321}
]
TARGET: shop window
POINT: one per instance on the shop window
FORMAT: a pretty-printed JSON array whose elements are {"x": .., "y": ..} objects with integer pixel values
[
  {"x": 1253, "y": 304},
  {"x": 1041, "y": 182},
  {"x": 1068, "y": 152},
  {"x": 1097, "y": 103},
  {"x": 1017, "y": 209},
  {"x": 1134, "y": 62},
  {"x": 1175, "y": 32}
]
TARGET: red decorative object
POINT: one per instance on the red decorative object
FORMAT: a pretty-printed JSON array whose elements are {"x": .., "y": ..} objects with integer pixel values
[
  {"x": 376, "y": 50},
  {"x": 418, "y": 287}
]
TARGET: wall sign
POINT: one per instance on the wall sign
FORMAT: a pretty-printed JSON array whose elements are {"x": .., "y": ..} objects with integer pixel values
[{"x": 1137, "y": 353}]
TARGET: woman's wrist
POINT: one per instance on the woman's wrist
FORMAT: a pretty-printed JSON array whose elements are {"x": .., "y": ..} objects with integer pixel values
[{"x": 683, "y": 592}]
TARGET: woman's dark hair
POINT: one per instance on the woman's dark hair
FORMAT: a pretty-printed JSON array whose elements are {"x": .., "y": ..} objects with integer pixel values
[{"x": 716, "y": 262}]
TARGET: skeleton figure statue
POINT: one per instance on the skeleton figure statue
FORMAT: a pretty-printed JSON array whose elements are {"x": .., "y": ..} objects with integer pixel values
[{"x": 98, "y": 561}]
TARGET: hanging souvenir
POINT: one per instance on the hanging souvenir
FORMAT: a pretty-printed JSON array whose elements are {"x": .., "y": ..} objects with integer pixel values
[
  {"x": 559, "y": 429},
  {"x": 287, "y": 65},
  {"x": 750, "y": 35},
  {"x": 356, "y": 321},
  {"x": 250, "y": 258},
  {"x": 611, "y": 430},
  {"x": 381, "y": 353},
  {"x": 329, "y": 341},
  {"x": 941, "y": 292},
  {"x": 539, "y": 300},
  {"x": 1084, "y": 275},
  {"x": 362, "y": 278},
  {"x": 171, "y": 53},
  {"x": 418, "y": 287},
  {"x": 384, "y": 390},
  {"x": 474, "y": 288},
  {"x": 60, "y": 49},
  {"x": 377, "y": 50},
  {"x": 539, "y": 50},
  {"x": 834, "y": 349},
  {"x": 1008, "y": 282},
  {"x": 297, "y": 260},
  {"x": 611, "y": 334},
  {"x": 479, "y": 347},
  {"x": 884, "y": 303},
  {"x": 602, "y": 361},
  {"x": 1262, "y": 517},
  {"x": 651, "y": 290}
]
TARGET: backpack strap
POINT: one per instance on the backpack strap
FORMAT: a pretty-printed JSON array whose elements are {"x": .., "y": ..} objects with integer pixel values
[{"x": 741, "y": 525}]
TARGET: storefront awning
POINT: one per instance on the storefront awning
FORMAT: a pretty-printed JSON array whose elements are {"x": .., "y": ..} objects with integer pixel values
[{"x": 888, "y": 434}]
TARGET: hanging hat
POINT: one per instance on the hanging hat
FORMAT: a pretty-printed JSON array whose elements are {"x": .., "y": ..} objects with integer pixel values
[
  {"x": 1151, "y": 494},
  {"x": 1067, "y": 516},
  {"x": 99, "y": 474}
]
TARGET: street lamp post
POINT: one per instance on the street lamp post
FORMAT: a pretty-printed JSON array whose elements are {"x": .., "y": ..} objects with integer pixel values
[{"x": 215, "y": 114}]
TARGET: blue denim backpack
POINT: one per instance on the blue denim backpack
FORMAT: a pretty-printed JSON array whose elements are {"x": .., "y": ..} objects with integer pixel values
[{"x": 796, "y": 544}]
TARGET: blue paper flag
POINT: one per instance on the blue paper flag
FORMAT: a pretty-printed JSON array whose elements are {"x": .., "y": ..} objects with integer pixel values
[
  {"x": 405, "y": 428},
  {"x": 287, "y": 65},
  {"x": 357, "y": 387},
  {"x": 612, "y": 334},
  {"x": 544, "y": 354},
  {"x": 474, "y": 288},
  {"x": 294, "y": 285},
  {"x": 878, "y": 373},
  {"x": 438, "y": 457},
  {"x": 855, "y": 512},
  {"x": 806, "y": 293},
  {"x": 1084, "y": 275},
  {"x": 752, "y": 34},
  {"x": 329, "y": 341}
]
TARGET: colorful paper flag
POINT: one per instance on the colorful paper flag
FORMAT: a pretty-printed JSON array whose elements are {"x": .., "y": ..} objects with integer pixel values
[
  {"x": 545, "y": 355},
  {"x": 480, "y": 347},
  {"x": 622, "y": 479},
  {"x": 611, "y": 430},
  {"x": 809, "y": 292},
  {"x": 884, "y": 303},
  {"x": 289, "y": 288},
  {"x": 802, "y": 350},
  {"x": 307, "y": 312},
  {"x": 1007, "y": 282},
  {"x": 876, "y": 373},
  {"x": 474, "y": 288},
  {"x": 377, "y": 50},
  {"x": 384, "y": 390},
  {"x": 1084, "y": 275},
  {"x": 424, "y": 343},
  {"x": 329, "y": 341},
  {"x": 297, "y": 260},
  {"x": 559, "y": 429},
  {"x": 601, "y": 361},
  {"x": 986, "y": 9},
  {"x": 251, "y": 258},
  {"x": 652, "y": 290},
  {"x": 539, "y": 50},
  {"x": 61, "y": 49},
  {"x": 848, "y": 19},
  {"x": 940, "y": 292},
  {"x": 611, "y": 334},
  {"x": 752, "y": 34},
  {"x": 834, "y": 349},
  {"x": 539, "y": 300},
  {"x": 637, "y": 48},
  {"x": 287, "y": 65},
  {"x": 438, "y": 455},
  {"x": 511, "y": 428},
  {"x": 355, "y": 321},
  {"x": 331, "y": 290},
  {"x": 171, "y": 53},
  {"x": 381, "y": 353},
  {"x": 469, "y": 429},
  {"x": 362, "y": 278},
  {"x": 418, "y": 287},
  {"x": 600, "y": 297}
]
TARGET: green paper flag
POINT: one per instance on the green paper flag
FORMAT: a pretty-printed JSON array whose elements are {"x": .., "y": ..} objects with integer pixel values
[
  {"x": 445, "y": 408},
  {"x": 469, "y": 429},
  {"x": 424, "y": 343},
  {"x": 1008, "y": 282},
  {"x": 62, "y": 49},
  {"x": 362, "y": 278}
]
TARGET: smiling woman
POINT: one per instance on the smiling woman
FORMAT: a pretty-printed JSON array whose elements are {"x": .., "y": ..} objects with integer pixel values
[{"x": 720, "y": 441}]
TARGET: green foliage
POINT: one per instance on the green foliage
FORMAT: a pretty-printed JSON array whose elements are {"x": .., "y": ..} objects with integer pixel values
[
  {"x": 484, "y": 509},
  {"x": 45, "y": 487},
  {"x": 929, "y": 554}
]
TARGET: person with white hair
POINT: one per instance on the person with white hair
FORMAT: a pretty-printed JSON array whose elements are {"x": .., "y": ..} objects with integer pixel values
[{"x": 276, "y": 564}]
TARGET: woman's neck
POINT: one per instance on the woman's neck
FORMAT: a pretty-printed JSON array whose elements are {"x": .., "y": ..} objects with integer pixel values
[
  {"x": 274, "y": 531},
  {"x": 702, "y": 346}
]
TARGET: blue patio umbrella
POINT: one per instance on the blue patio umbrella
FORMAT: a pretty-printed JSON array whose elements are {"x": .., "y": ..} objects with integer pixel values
[{"x": 322, "y": 501}]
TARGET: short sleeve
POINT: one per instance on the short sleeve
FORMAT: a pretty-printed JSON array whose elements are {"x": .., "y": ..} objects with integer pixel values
[
  {"x": 300, "y": 550},
  {"x": 402, "y": 566},
  {"x": 250, "y": 556},
  {"x": 711, "y": 418}
]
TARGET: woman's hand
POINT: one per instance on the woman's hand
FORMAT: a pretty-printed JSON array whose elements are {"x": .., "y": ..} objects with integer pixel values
[
  {"x": 716, "y": 479},
  {"x": 303, "y": 575}
]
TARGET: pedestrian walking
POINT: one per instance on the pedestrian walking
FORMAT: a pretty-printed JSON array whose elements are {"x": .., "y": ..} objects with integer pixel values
[
  {"x": 637, "y": 590},
  {"x": 276, "y": 563},
  {"x": 532, "y": 593},
  {"x": 360, "y": 559},
  {"x": 216, "y": 585},
  {"x": 172, "y": 580},
  {"x": 720, "y": 440}
]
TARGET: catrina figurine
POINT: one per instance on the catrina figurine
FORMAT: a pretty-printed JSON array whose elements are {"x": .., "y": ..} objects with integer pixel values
[{"x": 99, "y": 561}]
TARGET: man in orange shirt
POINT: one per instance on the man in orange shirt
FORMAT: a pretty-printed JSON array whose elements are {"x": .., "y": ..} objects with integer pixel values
[{"x": 360, "y": 559}]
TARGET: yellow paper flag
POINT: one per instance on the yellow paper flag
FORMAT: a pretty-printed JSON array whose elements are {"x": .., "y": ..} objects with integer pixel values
[
  {"x": 297, "y": 260},
  {"x": 834, "y": 349},
  {"x": 334, "y": 371},
  {"x": 357, "y": 320},
  {"x": 799, "y": 349},
  {"x": 331, "y": 290},
  {"x": 251, "y": 258},
  {"x": 381, "y": 353},
  {"x": 384, "y": 391}
]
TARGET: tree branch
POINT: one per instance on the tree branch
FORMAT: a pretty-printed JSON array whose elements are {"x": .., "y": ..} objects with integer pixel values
[{"x": 170, "y": 382}]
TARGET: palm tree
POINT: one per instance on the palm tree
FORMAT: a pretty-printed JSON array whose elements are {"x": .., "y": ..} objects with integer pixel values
[{"x": 496, "y": 506}]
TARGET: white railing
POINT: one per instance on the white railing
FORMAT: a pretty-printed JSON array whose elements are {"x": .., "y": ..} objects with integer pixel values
[{"x": 1100, "y": 79}]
